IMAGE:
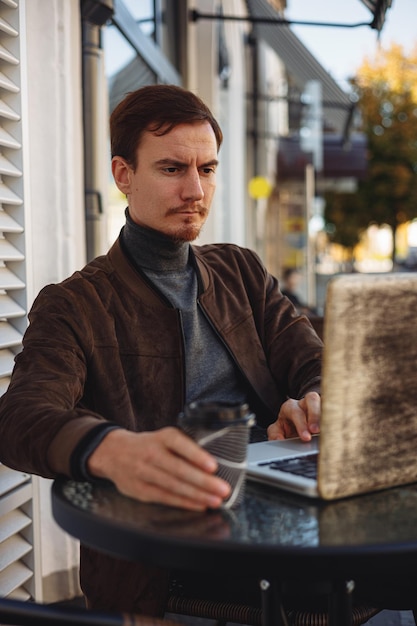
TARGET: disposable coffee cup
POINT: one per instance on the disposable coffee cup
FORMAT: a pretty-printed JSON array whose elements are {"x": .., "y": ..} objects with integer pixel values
[{"x": 223, "y": 430}]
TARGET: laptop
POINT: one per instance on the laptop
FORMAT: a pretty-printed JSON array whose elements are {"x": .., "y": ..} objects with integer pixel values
[{"x": 368, "y": 434}]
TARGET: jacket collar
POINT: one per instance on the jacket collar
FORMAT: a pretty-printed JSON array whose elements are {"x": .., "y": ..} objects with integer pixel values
[{"x": 129, "y": 274}]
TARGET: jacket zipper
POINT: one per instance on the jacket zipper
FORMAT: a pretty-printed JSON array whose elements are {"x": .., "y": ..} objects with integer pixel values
[{"x": 184, "y": 373}]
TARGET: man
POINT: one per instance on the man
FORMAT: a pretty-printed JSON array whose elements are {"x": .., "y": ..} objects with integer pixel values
[
  {"x": 291, "y": 279},
  {"x": 114, "y": 352}
]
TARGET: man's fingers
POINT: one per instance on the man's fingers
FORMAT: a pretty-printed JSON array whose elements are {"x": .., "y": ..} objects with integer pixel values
[
  {"x": 174, "y": 474},
  {"x": 297, "y": 418},
  {"x": 311, "y": 404},
  {"x": 281, "y": 429},
  {"x": 175, "y": 440},
  {"x": 167, "y": 466}
]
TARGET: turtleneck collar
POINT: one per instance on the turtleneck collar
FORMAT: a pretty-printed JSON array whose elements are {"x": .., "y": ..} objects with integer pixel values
[{"x": 153, "y": 250}]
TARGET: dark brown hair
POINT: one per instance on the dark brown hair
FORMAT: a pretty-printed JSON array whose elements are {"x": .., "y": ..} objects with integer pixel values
[{"x": 155, "y": 108}]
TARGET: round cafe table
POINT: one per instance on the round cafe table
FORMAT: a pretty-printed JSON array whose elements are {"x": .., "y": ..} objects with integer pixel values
[{"x": 273, "y": 536}]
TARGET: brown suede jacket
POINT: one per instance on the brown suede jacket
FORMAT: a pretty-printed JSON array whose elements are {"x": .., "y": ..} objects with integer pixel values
[{"x": 105, "y": 345}]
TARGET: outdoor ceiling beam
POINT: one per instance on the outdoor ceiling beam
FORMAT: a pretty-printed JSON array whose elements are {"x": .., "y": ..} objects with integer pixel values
[{"x": 197, "y": 15}]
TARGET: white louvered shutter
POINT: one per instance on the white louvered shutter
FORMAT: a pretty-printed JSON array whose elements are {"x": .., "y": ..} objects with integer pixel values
[{"x": 17, "y": 562}]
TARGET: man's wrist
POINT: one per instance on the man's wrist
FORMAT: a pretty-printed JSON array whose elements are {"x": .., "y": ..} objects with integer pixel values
[{"x": 80, "y": 469}]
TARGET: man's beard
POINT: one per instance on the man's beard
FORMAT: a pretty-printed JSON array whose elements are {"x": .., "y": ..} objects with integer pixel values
[
  {"x": 186, "y": 233},
  {"x": 188, "y": 230}
]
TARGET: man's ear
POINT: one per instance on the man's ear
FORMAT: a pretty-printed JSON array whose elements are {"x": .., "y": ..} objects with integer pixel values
[{"x": 121, "y": 174}]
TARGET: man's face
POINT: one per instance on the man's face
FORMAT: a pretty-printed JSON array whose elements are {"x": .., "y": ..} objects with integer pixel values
[{"x": 172, "y": 188}]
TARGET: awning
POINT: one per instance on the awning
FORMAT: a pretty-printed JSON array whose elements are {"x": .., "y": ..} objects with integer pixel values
[
  {"x": 302, "y": 65},
  {"x": 145, "y": 47},
  {"x": 339, "y": 161}
]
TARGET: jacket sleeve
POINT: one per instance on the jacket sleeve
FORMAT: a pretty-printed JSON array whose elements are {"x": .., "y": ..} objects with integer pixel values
[
  {"x": 294, "y": 350},
  {"x": 291, "y": 346},
  {"x": 41, "y": 417},
  {"x": 275, "y": 347}
]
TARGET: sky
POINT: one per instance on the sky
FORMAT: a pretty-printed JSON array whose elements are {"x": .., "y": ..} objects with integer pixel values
[{"x": 341, "y": 50}]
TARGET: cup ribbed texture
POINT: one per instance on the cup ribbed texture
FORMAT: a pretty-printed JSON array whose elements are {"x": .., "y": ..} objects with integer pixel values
[{"x": 225, "y": 438}]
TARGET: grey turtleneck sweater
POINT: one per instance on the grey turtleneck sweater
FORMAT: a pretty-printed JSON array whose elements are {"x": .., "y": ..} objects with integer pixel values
[{"x": 210, "y": 372}]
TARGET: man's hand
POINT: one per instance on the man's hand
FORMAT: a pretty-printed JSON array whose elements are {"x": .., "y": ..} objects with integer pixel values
[
  {"x": 297, "y": 418},
  {"x": 164, "y": 466}
]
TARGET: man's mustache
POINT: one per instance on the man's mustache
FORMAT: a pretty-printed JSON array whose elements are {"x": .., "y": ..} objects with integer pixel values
[{"x": 187, "y": 208}]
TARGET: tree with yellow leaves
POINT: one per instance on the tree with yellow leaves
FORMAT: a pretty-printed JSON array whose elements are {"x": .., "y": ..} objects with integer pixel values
[{"x": 386, "y": 87}]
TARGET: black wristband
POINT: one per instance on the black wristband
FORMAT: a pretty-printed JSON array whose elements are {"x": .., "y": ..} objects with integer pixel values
[{"x": 85, "y": 447}]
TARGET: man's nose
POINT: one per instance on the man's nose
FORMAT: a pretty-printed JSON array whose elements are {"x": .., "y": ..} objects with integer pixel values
[{"x": 192, "y": 187}]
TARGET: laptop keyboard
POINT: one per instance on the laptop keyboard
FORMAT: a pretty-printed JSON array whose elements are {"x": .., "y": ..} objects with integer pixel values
[{"x": 301, "y": 466}]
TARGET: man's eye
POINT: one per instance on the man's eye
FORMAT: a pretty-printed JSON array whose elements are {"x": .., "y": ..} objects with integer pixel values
[
  {"x": 171, "y": 170},
  {"x": 209, "y": 170}
]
